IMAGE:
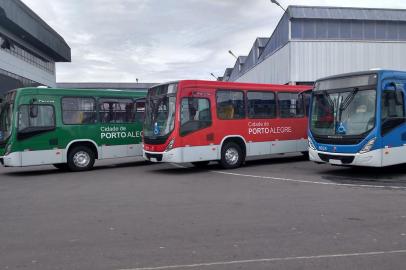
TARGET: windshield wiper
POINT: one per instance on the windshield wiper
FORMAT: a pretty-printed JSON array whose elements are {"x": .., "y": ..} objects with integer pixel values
[{"x": 347, "y": 101}]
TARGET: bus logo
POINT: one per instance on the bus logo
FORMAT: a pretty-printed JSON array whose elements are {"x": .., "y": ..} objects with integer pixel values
[{"x": 156, "y": 128}]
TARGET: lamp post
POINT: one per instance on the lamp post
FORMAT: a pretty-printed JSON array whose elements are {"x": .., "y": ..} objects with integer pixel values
[
  {"x": 277, "y": 3},
  {"x": 230, "y": 52},
  {"x": 214, "y": 76}
]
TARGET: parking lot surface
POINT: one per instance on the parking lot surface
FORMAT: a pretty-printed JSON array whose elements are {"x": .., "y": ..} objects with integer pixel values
[{"x": 281, "y": 213}]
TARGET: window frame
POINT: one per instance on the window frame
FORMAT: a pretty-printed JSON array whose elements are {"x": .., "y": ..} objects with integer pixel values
[
  {"x": 387, "y": 131},
  {"x": 48, "y": 128},
  {"x": 261, "y": 91},
  {"x": 303, "y": 115},
  {"x": 135, "y": 108},
  {"x": 244, "y": 99},
  {"x": 133, "y": 101},
  {"x": 95, "y": 111},
  {"x": 180, "y": 116}
]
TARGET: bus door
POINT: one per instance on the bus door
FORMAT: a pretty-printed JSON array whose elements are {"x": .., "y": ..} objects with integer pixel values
[
  {"x": 139, "y": 114},
  {"x": 393, "y": 127},
  {"x": 36, "y": 135},
  {"x": 195, "y": 122}
]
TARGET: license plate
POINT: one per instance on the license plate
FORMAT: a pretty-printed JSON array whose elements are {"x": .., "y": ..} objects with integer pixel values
[
  {"x": 153, "y": 159},
  {"x": 335, "y": 162}
]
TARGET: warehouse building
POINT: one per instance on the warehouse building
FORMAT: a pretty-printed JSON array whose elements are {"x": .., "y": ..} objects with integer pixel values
[
  {"x": 29, "y": 48},
  {"x": 313, "y": 42}
]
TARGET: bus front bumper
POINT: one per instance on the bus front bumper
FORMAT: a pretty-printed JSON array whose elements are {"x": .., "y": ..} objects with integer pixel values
[
  {"x": 11, "y": 160},
  {"x": 174, "y": 155},
  {"x": 369, "y": 159}
]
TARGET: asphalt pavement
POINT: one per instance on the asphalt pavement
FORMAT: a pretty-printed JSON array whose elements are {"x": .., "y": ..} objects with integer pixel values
[{"x": 280, "y": 213}]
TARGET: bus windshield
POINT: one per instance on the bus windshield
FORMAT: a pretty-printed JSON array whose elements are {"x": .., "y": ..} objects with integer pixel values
[
  {"x": 160, "y": 111},
  {"x": 347, "y": 111},
  {"x": 6, "y": 116}
]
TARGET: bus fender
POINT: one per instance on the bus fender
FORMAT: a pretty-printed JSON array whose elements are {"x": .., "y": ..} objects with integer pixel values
[
  {"x": 65, "y": 157},
  {"x": 234, "y": 136}
]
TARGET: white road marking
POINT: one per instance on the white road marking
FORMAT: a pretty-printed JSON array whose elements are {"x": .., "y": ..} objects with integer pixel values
[
  {"x": 310, "y": 182},
  {"x": 300, "y": 181},
  {"x": 326, "y": 256}
]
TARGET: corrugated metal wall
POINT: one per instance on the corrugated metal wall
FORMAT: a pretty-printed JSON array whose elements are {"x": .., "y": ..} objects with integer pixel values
[{"x": 314, "y": 60}]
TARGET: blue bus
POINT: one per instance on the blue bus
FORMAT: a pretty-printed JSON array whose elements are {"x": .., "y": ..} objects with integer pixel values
[{"x": 358, "y": 119}]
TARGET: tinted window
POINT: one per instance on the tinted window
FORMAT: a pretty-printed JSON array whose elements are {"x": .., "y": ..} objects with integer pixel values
[
  {"x": 261, "y": 104},
  {"x": 230, "y": 105},
  {"x": 393, "y": 111},
  {"x": 115, "y": 110},
  {"x": 35, "y": 116},
  {"x": 78, "y": 111},
  {"x": 290, "y": 105},
  {"x": 140, "y": 110},
  {"x": 306, "y": 96},
  {"x": 194, "y": 115}
]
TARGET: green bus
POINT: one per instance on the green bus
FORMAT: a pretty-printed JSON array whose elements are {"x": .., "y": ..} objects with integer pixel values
[{"x": 70, "y": 128}]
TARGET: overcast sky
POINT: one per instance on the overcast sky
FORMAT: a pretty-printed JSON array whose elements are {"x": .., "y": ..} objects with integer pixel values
[{"x": 163, "y": 40}]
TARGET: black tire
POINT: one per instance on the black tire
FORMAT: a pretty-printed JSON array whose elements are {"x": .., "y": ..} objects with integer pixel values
[
  {"x": 234, "y": 162},
  {"x": 201, "y": 164},
  {"x": 81, "y": 158},
  {"x": 61, "y": 166},
  {"x": 305, "y": 155}
]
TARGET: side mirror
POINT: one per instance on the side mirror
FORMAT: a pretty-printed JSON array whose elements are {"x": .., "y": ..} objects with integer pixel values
[{"x": 33, "y": 111}]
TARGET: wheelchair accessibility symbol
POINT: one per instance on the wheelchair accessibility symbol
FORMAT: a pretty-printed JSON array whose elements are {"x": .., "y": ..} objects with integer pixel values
[
  {"x": 341, "y": 129},
  {"x": 156, "y": 128}
]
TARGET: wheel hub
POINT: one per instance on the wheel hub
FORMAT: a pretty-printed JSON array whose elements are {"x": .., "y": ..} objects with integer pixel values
[
  {"x": 231, "y": 156},
  {"x": 81, "y": 159}
]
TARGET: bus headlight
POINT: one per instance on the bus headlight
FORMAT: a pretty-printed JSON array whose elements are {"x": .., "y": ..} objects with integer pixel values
[
  {"x": 368, "y": 146},
  {"x": 170, "y": 145},
  {"x": 311, "y": 144}
]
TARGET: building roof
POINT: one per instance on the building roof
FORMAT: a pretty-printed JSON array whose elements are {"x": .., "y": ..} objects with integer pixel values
[
  {"x": 261, "y": 41},
  {"x": 19, "y": 19},
  {"x": 102, "y": 85},
  {"x": 346, "y": 13}
]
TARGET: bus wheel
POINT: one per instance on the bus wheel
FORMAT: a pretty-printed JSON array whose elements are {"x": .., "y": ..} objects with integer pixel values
[
  {"x": 61, "y": 166},
  {"x": 231, "y": 156},
  {"x": 81, "y": 158},
  {"x": 200, "y": 164}
]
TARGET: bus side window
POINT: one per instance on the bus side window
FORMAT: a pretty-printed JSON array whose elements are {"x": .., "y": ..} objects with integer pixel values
[
  {"x": 116, "y": 110},
  {"x": 306, "y": 98},
  {"x": 139, "y": 110},
  {"x": 78, "y": 110},
  {"x": 392, "y": 111},
  {"x": 261, "y": 104},
  {"x": 230, "y": 104},
  {"x": 45, "y": 118},
  {"x": 290, "y": 105},
  {"x": 194, "y": 115}
]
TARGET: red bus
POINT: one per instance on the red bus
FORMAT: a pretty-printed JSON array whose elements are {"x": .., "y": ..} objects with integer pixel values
[{"x": 201, "y": 121}]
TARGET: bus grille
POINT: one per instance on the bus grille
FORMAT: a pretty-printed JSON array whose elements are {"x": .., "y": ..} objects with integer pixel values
[{"x": 344, "y": 159}]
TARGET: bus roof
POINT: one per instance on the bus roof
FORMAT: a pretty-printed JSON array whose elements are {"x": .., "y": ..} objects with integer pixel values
[
  {"x": 242, "y": 86},
  {"x": 386, "y": 73},
  {"x": 79, "y": 92}
]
